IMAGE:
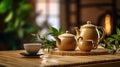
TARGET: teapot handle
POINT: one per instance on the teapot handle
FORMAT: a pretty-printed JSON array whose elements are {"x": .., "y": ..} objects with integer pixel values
[
  {"x": 79, "y": 38},
  {"x": 103, "y": 33}
]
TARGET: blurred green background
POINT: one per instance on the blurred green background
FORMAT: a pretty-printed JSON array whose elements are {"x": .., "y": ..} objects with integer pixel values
[{"x": 16, "y": 23}]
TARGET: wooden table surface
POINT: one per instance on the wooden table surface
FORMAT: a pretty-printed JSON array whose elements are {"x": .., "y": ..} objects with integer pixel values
[{"x": 14, "y": 59}]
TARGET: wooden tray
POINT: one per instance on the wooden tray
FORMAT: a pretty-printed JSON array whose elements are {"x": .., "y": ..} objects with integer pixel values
[{"x": 99, "y": 51}]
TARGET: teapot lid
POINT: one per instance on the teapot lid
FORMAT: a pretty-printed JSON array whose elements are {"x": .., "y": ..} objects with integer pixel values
[
  {"x": 67, "y": 34},
  {"x": 89, "y": 24}
]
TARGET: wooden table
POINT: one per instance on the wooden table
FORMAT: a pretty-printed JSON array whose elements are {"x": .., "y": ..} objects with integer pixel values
[{"x": 14, "y": 59}]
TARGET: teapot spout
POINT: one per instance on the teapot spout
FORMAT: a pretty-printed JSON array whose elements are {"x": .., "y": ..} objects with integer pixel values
[
  {"x": 58, "y": 41},
  {"x": 77, "y": 31}
]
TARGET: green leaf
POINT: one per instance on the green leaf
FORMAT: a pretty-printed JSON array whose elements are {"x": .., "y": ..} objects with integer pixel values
[
  {"x": 116, "y": 44},
  {"x": 3, "y": 8},
  {"x": 20, "y": 33},
  {"x": 16, "y": 24},
  {"x": 60, "y": 31},
  {"x": 10, "y": 28},
  {"x": 13, "y": 26},
  {"x": 110, "y": 39},
  {"x": 114, "y": 36},
  {"x": 5, "y": 5},
  {"x": 26, "y": 7},
  {"x": 53, "y": 31},
  {"x": 29, "y": 27},
  {"x": 118, "y": 31},
  {"x": 9, "y": 17},
  {"x": 38, "y": 33}
]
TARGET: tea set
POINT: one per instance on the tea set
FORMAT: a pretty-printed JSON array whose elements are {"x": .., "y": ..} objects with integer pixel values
[{"x": 86, "y": 39}]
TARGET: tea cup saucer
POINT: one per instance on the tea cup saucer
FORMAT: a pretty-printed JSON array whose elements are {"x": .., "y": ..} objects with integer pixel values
[{"x": 30, "y": 55}]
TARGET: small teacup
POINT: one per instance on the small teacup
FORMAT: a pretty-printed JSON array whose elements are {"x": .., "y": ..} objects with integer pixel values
[
  {"x": 32, "y": 48},
  {"x": 85, "y": 45}
]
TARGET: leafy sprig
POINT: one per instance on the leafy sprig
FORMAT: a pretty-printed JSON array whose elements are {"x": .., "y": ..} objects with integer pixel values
[
  {"x": 48, "y": 44},
  {"x": 113, "y": 42}
]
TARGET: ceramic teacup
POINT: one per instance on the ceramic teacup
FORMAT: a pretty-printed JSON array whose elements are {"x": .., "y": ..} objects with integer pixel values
[
  {"x": 32, "y": 48},
  {"x": 85, "y": 45}
]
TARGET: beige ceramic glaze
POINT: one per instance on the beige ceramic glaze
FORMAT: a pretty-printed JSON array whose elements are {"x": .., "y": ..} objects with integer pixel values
[
  {"x": 85, "y": 45},
  {"x": 66, "y": 42},
  {"x": 32, "y": 48},
  {"x": 90, "y": 32}
]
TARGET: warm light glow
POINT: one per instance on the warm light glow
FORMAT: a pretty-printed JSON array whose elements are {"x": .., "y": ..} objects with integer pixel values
[{"x": 108, "y": 24}]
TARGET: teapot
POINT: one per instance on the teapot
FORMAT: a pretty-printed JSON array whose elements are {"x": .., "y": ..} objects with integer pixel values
[
  {"x": 66, "y": 42},
  {"x": 90, "y": 32}
]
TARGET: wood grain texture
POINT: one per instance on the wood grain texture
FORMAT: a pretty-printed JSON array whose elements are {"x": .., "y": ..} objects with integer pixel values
[{"x": 14, "y": 59}]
